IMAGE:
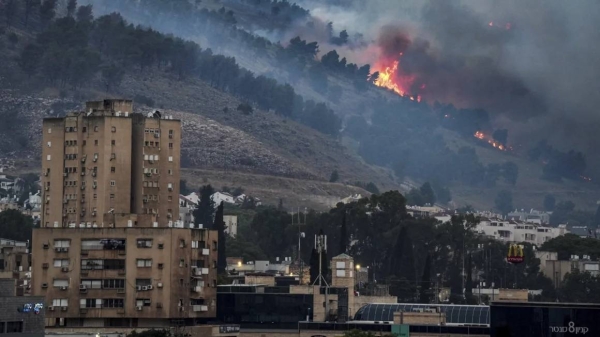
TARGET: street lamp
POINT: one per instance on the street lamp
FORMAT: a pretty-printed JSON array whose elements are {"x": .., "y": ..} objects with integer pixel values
[{"x": 356, "y": 275}]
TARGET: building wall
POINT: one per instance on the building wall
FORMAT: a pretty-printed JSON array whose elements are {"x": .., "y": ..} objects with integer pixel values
[
  {"x": 171, "y": 268},
  {"x": 33, "y": 325}
]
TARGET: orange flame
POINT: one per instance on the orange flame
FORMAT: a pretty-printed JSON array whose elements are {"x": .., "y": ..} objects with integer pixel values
[
  {"x": 392, "y": 78},
  {"x": 480, "y": 135}
]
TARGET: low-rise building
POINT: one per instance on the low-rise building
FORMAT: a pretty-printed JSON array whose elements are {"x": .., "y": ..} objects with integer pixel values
[
  {"x": 514, "y": 231},
  {"x": 20, "y": 316},
  {"x": 15, "y": 262},
  {"x": 225, "y": 197},
  {"x": 231, "y": 224}
]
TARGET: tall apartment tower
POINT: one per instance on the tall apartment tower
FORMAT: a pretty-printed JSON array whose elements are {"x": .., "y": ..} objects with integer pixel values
[{"x": 110, "y": 251}]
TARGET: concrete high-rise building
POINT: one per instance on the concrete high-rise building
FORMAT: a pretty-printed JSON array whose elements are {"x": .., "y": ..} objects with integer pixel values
[{"x": 110, "y": 250}]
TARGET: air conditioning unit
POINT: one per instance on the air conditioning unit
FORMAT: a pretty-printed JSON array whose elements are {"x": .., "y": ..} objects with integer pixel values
[
  {"x": 65, "y": 269},
  {"x": 83, "y": 159},
  {"x": 58, "y": 249},
  {"x": 65, "y": 249},
  {"x": 93, "y": 173},
  {"x": 45, "y": 265},
  {"x": 139, "y": 308},
  {"x": 94, "y": 186},
  {"x": 205, "y": 251},
  {"x": 204, "y": 271},
  {"x": 65, "y": 174},
  {"x": 63, "y": 288},
  {"x": 144, "y": 288},
  {"x": 81, "y": 287},
  {"x": 44, "y": 285},
  {"x": 159, "y": 305},
  {"x": 83, "y": 291},
  {"x": 50, "y": 308},
  {"x": 82, "y": 173},
  {"x": 198, "y": 289},
  {"x": 47, "y": 188},
  {"x": 65, "y": 201},
  {"x": 150, "y": 287},
  {"x": 82, "y": 187},
  {"x": 159, "y": 285},
  {"x": 138, "y": 288},
  {"x": 94, "y": 213},
  {"x": 156, "y": 135},
  {"x": 64, "y": 308},
  {"x": 145, "y": 200},
  {"x": 120, "y": 291}
]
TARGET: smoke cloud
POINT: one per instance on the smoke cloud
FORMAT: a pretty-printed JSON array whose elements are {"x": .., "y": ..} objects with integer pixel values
[{"x": 532, "y": 64}]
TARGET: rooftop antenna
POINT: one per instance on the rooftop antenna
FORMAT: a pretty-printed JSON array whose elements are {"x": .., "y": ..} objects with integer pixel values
[{"x": 321, "y": 246}]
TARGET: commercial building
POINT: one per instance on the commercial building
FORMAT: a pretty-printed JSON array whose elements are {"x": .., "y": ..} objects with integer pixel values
[
  {"x": 21, "y": 316},
  {"x": 544, "y": 319},
  {"x": 111, "y": 251},
  {"x": 556, "y": 269}
]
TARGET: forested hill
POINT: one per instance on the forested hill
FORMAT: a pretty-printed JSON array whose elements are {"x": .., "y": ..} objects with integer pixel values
[{"x": 66, "y": 53}]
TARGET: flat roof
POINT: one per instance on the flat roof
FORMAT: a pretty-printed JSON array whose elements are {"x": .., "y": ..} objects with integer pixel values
[
  {"x": 455, "y": 314},
  {"x": 545, "y": 304}
]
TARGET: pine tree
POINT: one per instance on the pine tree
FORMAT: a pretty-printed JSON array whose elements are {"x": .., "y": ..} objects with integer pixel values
[
  {"x": 469, "y": 280},
  {"x": 343, "y": 236},
  {"x": 425, "y": 296},
  {"x": 314, "y": 265},
  {"x": 203, "y": 214},
  {"x": 219, "y": 225}
]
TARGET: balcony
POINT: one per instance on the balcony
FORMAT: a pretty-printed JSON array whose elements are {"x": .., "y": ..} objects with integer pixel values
[{"x": 199, "y": 308}]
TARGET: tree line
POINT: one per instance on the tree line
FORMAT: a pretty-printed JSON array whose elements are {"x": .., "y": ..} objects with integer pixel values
[{"x": 72, "y": 52}]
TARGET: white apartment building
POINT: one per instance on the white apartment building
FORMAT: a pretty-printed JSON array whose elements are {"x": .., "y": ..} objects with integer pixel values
[{"x": 514, "y": 231}]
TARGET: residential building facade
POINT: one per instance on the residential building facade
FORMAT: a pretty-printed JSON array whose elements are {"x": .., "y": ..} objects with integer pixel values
[{"x": 111, "y": 251}]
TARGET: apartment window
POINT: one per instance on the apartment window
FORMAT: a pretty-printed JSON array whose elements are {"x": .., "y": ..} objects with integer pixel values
[
  {"x": 143, "y": 302},
  {"x": 170, "y": 172},
  {"x": 60, "y": 283},
  {"x": 92, "y": 284},
  {"x": 170, "y": 145},
  {"x": 13, "y": 327},
  {"x": 96, "y": 128},
  {"x": 112, "y": 183},
  {"x": 144, "y": 263},
  {"x": 95, "y": 141},
  {"x": 113, "y": 284},
  {"x": 181, "y": 262},
  {"x": 112, "y": 142},
  {"x": 95, "y": 196},
  {"x": 143, "y": 282},
  {"x": 113, "y": 303},
  {"x": 170, "y": 133},
  {"x": 49, "y": 144},
  {"x": 170, "y": 158},
  {"x": 49, "y": 130},
  {"x": 113, "y": 129},
  {"x": 112, "y": 196},
  {"x": 146, "y": 143},
  {"x": 84, "y": 142},
  {"x": 181, "y": 243},
  {"x": 60, "y": 302},
  {"x": 59, "y": 263},
  {"x": 90, "y": 303},
  {"x": 62, "y": 243},
  {"x": 144, "y": 243},
  {"x": 169, "y": 198},
  {"x": 214, "y": 245},
  {"x": 84, "y": 129},
  {"x": 48, "y": 157}
]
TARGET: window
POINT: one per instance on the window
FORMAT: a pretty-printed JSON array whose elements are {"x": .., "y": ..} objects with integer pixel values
[
  {"x": 143, "y": 302},
  {"x": 96, "y": 128},
  {"x": 84, "y": 129},
  {"x": 170, "y": 172},
  {"x": 112, "y": 196},
  {"x": 113, "y": 303},
  {"x": 170, "y": 158},
  {"x": 13, "y": 327},
  {"x": 59, "y": 263},
  {"x": 113, "y": 156},
  {"x": 92, "y": 284},
  {"x": 214, "y": 245},
  {"x": 60, "y": 283},
  {"x": 49, "y": 130},
  {"x": 112, "y": 183},
  {"x": 90, "y": 303},
  {"x": 169, "y": 198},
  {"x": 95, "y": 141},
  {"x": 95, "y": 196},
  {"x": 60, "y": 302},
  {"x": 144, "y": 243},
  {"x": 48, "y": 157},
  {"x": 142, "y": 282},
  {"x": 62, "y": 243},
  {"x": 170, "y": 133},
  {"x": 113, "y": 129},
  {"x": 84, "y": 142},
  {"x": 181, "y": 262},
  {"x": 181, "y": 243},
  {"x": 144, "y": 263},
  {"x": 113, "y": 284},
  {"x": 170, "y": 145}
]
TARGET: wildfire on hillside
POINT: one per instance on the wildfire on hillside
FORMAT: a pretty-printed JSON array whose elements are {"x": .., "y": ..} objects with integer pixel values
[
  {"x": 482, "y": 136},
  {"x": 393, "y": 78}
]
